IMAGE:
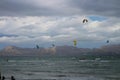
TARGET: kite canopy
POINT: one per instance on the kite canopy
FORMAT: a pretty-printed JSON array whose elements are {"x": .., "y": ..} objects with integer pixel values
[
  {"x": 75, "y": 42},
  {"x": 107, "y": 41},
  {"x": 53, "y": 45},
  {"x": 37, "y": 47},
  {"x": 85, "y": 20}
]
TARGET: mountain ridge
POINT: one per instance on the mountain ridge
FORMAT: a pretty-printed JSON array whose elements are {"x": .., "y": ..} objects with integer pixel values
[{"x": 60, "y": 51}]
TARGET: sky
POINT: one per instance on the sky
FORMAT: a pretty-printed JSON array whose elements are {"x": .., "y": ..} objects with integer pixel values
[{"x": 25, "y": 23}]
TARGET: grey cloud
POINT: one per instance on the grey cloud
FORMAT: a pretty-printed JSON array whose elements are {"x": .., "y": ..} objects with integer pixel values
[
  {"x": 98, "y": 7},
  {"x": 68, "y": 7},
  {"x": 14, "y": 8},
  {"x": 7, "y": 35}
]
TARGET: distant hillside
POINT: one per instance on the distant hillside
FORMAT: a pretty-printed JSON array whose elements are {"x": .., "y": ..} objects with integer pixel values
[
  {"x": 107, "y": 50},
  {"x": 60, "y": 51},
  {"x": 71, "y": 51},
  {"x": 13, "y": 51}
]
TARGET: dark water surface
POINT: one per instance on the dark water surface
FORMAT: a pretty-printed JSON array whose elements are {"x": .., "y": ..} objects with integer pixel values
[{"x": 59, "y": 68}]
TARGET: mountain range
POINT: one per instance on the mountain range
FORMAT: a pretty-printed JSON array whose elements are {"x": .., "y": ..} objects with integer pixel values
[{"x": 60, "y": 51}]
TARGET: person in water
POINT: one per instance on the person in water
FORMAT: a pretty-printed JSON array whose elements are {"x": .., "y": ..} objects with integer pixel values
[
  {"x": 3, "y": 78},
  {"x": 12, "y": 78},
  {"x": 0, "y": 75}
]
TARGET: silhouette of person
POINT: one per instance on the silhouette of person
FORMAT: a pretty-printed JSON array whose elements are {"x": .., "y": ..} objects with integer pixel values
[
  {"x": 3, "y": 78},
  {"x": 0, "y": 75},
  {"x": 12, "y": 78}
]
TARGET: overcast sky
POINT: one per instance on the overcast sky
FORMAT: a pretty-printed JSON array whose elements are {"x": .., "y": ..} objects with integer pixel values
[{"x": 25, "y": 23}]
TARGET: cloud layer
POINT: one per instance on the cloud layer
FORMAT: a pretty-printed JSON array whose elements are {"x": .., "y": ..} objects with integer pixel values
[
  {"x": 44, "y": 22},
  {"x": 59, "y": 7},
  {"x": 59, "y": 30}
]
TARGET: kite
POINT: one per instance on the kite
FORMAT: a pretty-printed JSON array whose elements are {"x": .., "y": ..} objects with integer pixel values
[
  {"x": 75, "y": 42},
  {"x": 85, "y": 20}
]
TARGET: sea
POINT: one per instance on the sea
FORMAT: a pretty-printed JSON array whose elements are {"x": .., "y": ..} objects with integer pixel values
[{"x": 58, "y": 68}]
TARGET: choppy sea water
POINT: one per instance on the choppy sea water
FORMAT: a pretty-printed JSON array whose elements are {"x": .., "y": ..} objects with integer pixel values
[{"x": 59, "y": 68}]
